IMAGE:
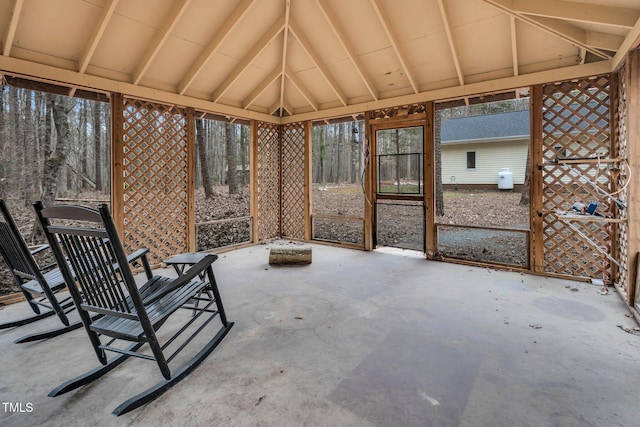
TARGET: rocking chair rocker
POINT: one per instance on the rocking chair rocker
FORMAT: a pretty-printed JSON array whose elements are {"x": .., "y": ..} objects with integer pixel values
[{"x": 106, "y": 286}]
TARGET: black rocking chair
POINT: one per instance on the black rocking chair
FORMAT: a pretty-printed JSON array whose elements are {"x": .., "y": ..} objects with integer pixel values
[
  {"x": 131, "y": 315},
  {"x": 38, "y": 285}
]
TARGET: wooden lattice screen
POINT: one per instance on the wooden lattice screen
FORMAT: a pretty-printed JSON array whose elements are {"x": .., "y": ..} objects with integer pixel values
[
  {"x": 622, "y": 151},
  {"x": 154, "y": 178},
  {"x": 267, "y": 185},
  {"x": 575, "y": 125},
  {"x": 293, "y": 180}
]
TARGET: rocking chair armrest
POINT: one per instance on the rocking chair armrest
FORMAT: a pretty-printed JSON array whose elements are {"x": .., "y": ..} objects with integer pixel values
[
  {"x": 183, "y": 279},
  {"x": 39, "y": 249},
  {"x": 141, "y": 255}
]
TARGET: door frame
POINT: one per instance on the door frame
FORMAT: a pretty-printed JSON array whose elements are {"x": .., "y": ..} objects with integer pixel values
[{"x": 427, "y": 197}]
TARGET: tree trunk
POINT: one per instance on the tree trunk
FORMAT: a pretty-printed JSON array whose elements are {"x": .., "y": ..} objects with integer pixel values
[
  {"x": 438, "y": 163},
  {"x": 202, "y": 156},
  {"x": 83, "y": 146},
  {"x": 323, "y": 134},
  {"x": 397, "y": 140},
  {"x": 97, "y": 148},
  {"x": 3, "y": 144},
  {"x": 61, "y": 107},
  {"x": 339, "y": 153},
  {"x": 232, "y": 162},
  {"x": 244, "y": 143}
]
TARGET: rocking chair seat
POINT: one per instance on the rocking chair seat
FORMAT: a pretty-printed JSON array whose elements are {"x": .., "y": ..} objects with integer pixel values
[
  {"x": 54, "y": 278},
  {"x": 157, "y": 311}
]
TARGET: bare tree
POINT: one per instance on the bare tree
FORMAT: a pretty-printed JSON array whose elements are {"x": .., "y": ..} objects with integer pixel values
[
  {"x": 61, "y": 107},
  {"x": 97, "y": 136},
  {"x": 202, "y": 156},
  {"x": 232, "y": 162}
]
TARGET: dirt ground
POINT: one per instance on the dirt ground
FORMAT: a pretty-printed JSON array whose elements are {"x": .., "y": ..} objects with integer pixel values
[{"x": 399, "y": 224}]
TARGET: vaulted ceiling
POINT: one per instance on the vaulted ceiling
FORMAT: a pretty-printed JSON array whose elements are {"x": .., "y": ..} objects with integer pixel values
[{"x": 286, "y": 60}]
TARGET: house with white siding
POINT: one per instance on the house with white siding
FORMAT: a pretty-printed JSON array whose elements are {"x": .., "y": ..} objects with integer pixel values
[{"x": 475, "y": 149}]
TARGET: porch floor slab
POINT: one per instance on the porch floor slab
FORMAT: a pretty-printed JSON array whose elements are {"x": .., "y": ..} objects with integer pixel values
[{"x": 356, "y": 338}]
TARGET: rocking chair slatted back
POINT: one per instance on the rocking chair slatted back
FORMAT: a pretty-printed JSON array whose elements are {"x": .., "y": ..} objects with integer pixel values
[
  {"x": 105, "y": 283},
  {"x": 39, "y": 285},
  {"x": 14, "y": 249}
]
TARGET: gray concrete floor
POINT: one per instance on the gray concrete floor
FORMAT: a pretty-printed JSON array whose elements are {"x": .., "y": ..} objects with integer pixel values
[{"x": 362, "y": 339}]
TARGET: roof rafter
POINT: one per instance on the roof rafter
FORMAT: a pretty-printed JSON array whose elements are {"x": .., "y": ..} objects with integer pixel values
[
  {"x": 315, "y": 58},
  {"x": 213, "y": 45},
  {"x": 342, "y": 38},
  {"x": 278, "y": 107},
  {"x": 105, "y": 16},
  {"x": 266, "y": 82},
  {"x": 263, "y": 42},
  {"x": 287, "y": 13},
  {"x": 581, "y": 12},
  {"x": 561, "y": 29},
  {"x": 630, "y": 40},
  {"x": 452, "y": 46},
  {"x": 394, "y": 44},
  {"x": 514, "y": 46},
  {"x": 16, "y": 8},
  {"x": 159, "y": 40},
  {"x": 293, "y": 78}
]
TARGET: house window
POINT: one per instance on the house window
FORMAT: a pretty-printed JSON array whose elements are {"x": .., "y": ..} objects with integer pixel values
[{"x": 471, "y": 159}]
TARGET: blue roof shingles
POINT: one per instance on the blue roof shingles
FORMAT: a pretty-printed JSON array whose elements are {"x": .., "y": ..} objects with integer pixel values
[{"x": 489, "y": 126}]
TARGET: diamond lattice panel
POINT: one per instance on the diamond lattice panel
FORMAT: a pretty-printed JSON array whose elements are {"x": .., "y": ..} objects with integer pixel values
[
  {"x": 576, "y": 125},
  {"x": 268, "y": 182},
  {"x": 155, "y": 178},
  {"x": 293, "y": 155}
]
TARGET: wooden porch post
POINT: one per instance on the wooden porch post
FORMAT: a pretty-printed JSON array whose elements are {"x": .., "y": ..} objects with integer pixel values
[
  {"x": 308, "y": 155},
  {"x": 191, "y": 180},
  {"x": 633, "y": 208},
  {"x": 117, "y": 154},
  {"x": 253, "y": 180},
  {"x": 536, "y": 250},
  {"x": 430, "y": 237}
]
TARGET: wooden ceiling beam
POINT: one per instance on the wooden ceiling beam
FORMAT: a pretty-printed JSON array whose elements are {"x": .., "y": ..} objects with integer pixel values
[
  {"x": 213, "y": 45},
  {"x": 279, "y": 107},
  {"x": 579, "y": 12},
  {"x": 103, "y": 21},
  {"x": 266, "y": 82},
  {"x": 394, "y": 44},
  {"x": 317, "y": 61},
  {"x": 631, "y": 40},
  {"x": 293, "y": 78},
  {"x": 514, "y": 46},
  {"x": 452, "y": 46},
  {"x": 10, "y": 34},
  {"x": 283, "y": 62},
  {"x": 351, "y": 53},
  {"x": 262, "y": 43},
  {"x": 492, "y": 86},
  {"x": 561, "y": 29},
  {"x": 161, "y": 37}
]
